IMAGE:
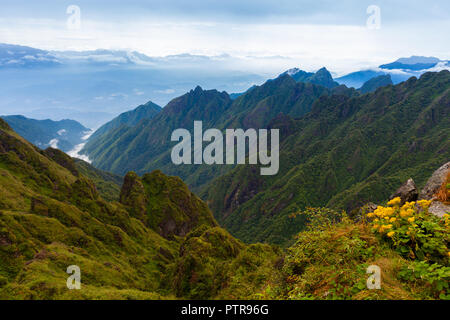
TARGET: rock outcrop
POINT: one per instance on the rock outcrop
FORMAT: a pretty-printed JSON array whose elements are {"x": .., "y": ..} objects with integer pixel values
[
  {"x": 164, "y": 204},
  {"x": 133, "y": 195},
  {"x": 407, "y": 192},
  {"x": 438, "y": 209},
  {"x": 435, "y": 182}
]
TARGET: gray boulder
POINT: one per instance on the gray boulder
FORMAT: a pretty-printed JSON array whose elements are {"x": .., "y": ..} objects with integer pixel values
[
  {"x": 438, "y": 209},
  {"x": 407, "y": 192},
  {"x": 434, "y": 183}
]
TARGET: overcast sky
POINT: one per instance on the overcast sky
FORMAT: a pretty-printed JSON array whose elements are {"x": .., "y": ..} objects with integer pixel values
[{"x": 309, "y": 33}]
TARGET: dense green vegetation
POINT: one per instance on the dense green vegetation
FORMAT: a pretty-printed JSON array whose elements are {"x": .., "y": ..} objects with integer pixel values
[
  {"x": 108, "y": 184},
  {"x": 52, "y": 216},
  {"x": 375, "y": 83},
  {"x": 127, "y": 119}
]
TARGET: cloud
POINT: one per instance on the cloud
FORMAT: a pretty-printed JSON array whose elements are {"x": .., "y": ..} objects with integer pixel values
[
  {"x": 442, "y": 65},
  {"x": 54, "y": 143},
  {"x": 138, "y": 92},
  {"x": 307, "y": 33},
  {"x": 166, "y": 91}
]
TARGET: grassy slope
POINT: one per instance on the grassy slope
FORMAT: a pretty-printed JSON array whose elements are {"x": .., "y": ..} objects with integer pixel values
[
  {"x": 51, "y": 217},
  {"x": 330, "y": 262}
]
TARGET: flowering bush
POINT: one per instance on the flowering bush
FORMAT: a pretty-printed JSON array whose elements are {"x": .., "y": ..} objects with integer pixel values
[{"x": 413, "y": 231}]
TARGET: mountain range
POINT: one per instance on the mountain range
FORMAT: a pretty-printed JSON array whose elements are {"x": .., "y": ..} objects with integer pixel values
[
  {"x": 318, "y": 119},
  {"x": 337, "y": 145},
  {"x": 93, "y": 87},
  {"x": 400, "y": 70},
  {"x": 64, "y": 134}
]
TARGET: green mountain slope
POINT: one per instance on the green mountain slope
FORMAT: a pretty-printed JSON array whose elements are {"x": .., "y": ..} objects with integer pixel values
[
  {"x": 127, "y": 149},
  {"x": 128, "y": 119},
  {"x": 345, "y": 152},
  {"x": 107, "y": 184},
  {"x": 52, "y": 217},
  {"x": 375, "y": 83}
]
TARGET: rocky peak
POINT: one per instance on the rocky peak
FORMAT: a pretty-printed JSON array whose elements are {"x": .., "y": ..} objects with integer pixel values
[{"x": 323, "y": 77}]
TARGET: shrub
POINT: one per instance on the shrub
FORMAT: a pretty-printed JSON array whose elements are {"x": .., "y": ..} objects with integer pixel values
[
  {"x": 412, "y": 230},
  {"x": 433, "y": 276}
]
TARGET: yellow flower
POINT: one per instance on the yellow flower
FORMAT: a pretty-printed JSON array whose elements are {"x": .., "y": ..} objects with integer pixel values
[
  {"x": 370, "y": 214},
  {"x": 385, "y": 227},
  {"x": 424, "y": 203},
  {"x": 394, "y": 202},
  {"x": 406, "y": 213},
  {"x": 389, "y": 211},
  {"x": 411, "y": 219},
  {"x": 390, "y": 234},
  {"x": 393, "y": 220}
]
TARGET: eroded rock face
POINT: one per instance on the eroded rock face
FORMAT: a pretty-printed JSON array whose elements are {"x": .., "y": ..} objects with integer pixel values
[
  {"x": 133, "y": 195},
  {"x": 438, "y": 209},
  {"x": 434, "y": 183},
  {"x": 164, "y": 204},
  {"x": 407, "y": 192}
]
